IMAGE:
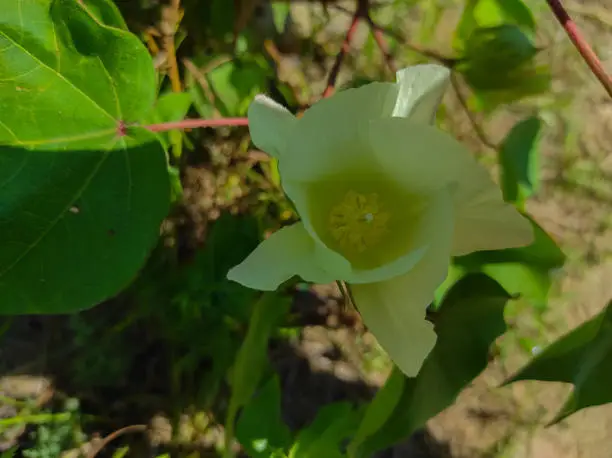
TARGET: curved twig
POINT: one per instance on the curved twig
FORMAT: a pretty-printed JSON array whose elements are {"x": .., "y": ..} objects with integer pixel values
[{"x": 112, "y": 436}]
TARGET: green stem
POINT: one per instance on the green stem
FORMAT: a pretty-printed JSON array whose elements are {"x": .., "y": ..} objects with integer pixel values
[
  {"x": 230, "y": 420},
  {"x": 36, "y": 419}
]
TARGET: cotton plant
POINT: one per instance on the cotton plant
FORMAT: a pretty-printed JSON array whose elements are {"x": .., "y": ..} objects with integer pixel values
[{"x": 385, "y": 200}]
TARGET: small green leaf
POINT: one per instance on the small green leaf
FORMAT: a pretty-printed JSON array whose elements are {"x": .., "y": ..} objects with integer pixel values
[
  {"x": 469, "y": 320},
  {"x": 236, "y": 83},
  {"x": 496, "y": 50},
  {"x": 582, "y": 357},
  {"x": 9, "y": 453},
  {"x": 232, "y": 86},
  {"x": 379, "y": 409},
  {"x": 260, "y": 427},
  {"x": 325, "y": 435},
  {"x": 121, "y": 452},
  {"x": 491, "y": 13},
  {"x": 518, "y": 158},
  {"x": 281, "y": 12},
  {"x": 251, "y": 361},
  {"x": 201, "y": 103},
  {"x": 525, "y": 81},
  {"x": 83, "y": 195},
  {"x": 169, "y": 107},
  {"x": 499, "y": 66}
]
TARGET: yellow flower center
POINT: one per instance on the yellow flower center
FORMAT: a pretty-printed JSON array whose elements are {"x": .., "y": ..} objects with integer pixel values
[{"x": 358, "y": 222}]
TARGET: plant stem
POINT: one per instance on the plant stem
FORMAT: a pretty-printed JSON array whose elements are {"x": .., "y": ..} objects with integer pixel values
[
  {"x": 197, "y": 123},
  {"x": 348, "y": 38},
  {"x": 228, "y": 432},
  {"x": 35, "y": 419},
  {"x": 480, "y": 133},
  {"x": 380, "y": 40},
  {"x": 114, "y": 435},
  {"x": 581, "y": 44}
]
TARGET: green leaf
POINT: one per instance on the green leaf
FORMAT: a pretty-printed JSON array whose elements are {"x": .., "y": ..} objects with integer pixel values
[
  {"x": 496, "y": 50},
  {"x": 518, "y": 158},
  {"x": 9, "y": 453},
  {"x": 201, "y": 103},
  {"x": 230, "y": 240},
  {"x": 281, "y": 12},
  {"x": 82, "y": 203},
  {"x": 499, "y": 66},
  {"x": 379, "y": 410},
  {"x": 236, "y": 83},
  {"x": 233, "y": 85},
  {"x": 251, "y": 360},
  {"x": 491, "y": 13},
  {"x": 326, "y": 434},
  {"x": 169, "y": 107},
  {"x": 525, "y": 271},
  {"x": 260, "y": 427},
  {"x": 524, "y": 81},
  {"x": 121, "y": 452},
  {"x": 107, "y": 12},
  {"x": 582, "y": 357},
  {"x": 469, "y": 320}
]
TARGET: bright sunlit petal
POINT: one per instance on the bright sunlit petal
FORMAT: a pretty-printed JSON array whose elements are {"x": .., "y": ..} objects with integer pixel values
[
  {"x": 394, "y": 310},
  {"x": 287, "y": 252},
  {"x": 421, "y": 90},
  {"x": 486, "y": 222},
  {"x": 270, "y": 125},
  {"x": 483, "y": 220},
  {"x": 332, "y": 133}
]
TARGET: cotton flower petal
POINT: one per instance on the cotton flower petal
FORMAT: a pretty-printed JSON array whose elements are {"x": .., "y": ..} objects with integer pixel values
[
  {"x": 394, "y": 310},
  {"x": 270, "y": 125},
  {"x": 421, "y": 90},
  {"x": 287, "y": 252},
  {"x": 486, "y": 222},
  {"x": 331, "y": 133},
  {"x": 483, "y": 220}
]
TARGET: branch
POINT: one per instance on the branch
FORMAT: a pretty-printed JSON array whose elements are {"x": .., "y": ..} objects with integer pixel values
[
  {"x": 114, "y": 435},
  {"x": 444, "y": 60},
  {"x": 379, "y": 38},
  {"x": 333, "y": 74},
  {"x": 581, "y": 44},
  {"x": 480, "y": 133},
  {"x": 196, "y": 123}
]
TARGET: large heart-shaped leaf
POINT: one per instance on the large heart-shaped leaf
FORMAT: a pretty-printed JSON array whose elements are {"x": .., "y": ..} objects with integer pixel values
[{"x": 83, "y": 189}]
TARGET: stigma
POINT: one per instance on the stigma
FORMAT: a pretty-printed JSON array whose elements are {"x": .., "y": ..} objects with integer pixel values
[{"x": 358, "y": 222}]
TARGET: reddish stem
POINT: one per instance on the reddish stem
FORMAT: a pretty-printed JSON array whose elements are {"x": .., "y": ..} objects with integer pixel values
[
  {"x": 333, "y": 74},
  {"x": 380, "y": 40},
  {"x": 581, "y": 44},
  {"x": 196, "y": 123}
]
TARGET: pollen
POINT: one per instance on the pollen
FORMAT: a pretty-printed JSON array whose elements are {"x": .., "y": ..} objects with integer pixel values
[{"x": 358, "y": 222}]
